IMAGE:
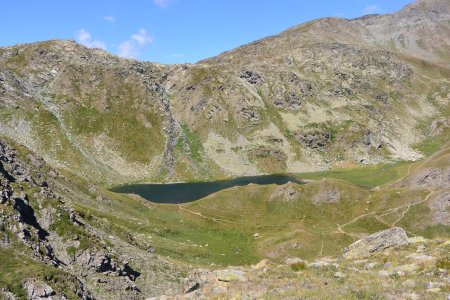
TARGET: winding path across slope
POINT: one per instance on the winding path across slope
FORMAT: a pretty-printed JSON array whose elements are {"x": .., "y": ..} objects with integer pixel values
[{"x": 384, "y": 212}]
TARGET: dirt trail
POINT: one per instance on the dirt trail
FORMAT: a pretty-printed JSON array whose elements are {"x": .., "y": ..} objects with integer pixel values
[
  {"x": 143, "y": 226},
  {"x": 384, "y": 212},
  {"x": 321, "y": 246},
  {"x": 418, "y": 164},
  {"x": 398, "y": 180},
  {"x": 216, "y": 220}
]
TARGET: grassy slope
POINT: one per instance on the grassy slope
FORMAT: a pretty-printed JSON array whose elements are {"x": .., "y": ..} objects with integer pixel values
[
  {"x": 16, "y": 267},
  {"x": 219, "y": 229},
  {"x": 368, "y": 176},
  {"x": 297, "y": 281}
]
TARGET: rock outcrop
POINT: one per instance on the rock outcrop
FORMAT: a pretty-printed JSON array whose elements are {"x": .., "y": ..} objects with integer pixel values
[
  {"x": 35, "y": 215},
  {"x": 102, "y": 262},
  {"x": 39, "y": 290},
  {"x": 429, "y": 178},
  {"x": 439, "y": 209},
  {"x": 330, "y": 92},
  {"x": 287, "y": 192},
  {"x": 330, "y": 95},
  {"x": 378, "y": 241},
  {"x": 394, "y": 275}
]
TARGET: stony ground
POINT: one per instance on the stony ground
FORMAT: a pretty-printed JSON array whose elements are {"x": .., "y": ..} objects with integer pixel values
[
  {"x": 307, "y": 99},
  {"x": 49, "y": 250},
  {"x": 75, "y": 121},
  {"x": 52, "y": 245},
  {"x": 387, "y": 266}
]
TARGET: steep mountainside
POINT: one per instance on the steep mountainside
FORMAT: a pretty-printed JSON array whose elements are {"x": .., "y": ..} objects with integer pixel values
[
  {"x": 46, "y": 236},
  {"x": 331, "y": 92},
  {"x": 332, "y": 95},
  {"x": 63, "y": 235}
]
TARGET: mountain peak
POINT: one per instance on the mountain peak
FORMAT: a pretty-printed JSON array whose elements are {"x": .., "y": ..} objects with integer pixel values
[{"x": 330, "y": 96}]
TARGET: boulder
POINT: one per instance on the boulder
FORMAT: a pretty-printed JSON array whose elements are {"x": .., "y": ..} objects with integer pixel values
[
  {"x": 384, "y": 273},
  {"x": 439, "y": 210},
  {"x": 339, "y": 275},
  {"x": 230, "y": 275},
  {"x": 421, "y": 257},
  {"x": 294, "y": 260},
  {"x": 102, "y": 262},
  {"x": 323, "y": 263},
  {"x": 263, "y": 264},
  {"x": 251, "y": 77},
  {"x": 378, "y": 241},
  {"x": 286, "y": 192},
  {"x": 199, "y": 278},
  {"x": 370, "y": 266},
  {"x": 408, "y": 268},
  {"x": 196, "y": 279},
  {"x": 38, "y": 290}
]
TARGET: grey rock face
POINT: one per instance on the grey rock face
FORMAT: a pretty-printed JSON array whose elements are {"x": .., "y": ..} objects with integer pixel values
[
  {"x": 329, "y": 70},
  {"x": 315, "y": 140},
  {"x": 327, "y": 195},
  {"x": 6, "y": 295},
  {"x": 251, "y": 77},
  {"x": 38, "y": 290},
  {"x": 269, "y": 152},
  {"x": 27, "y": 221},
  {"x": 102, "y": 262},
  {"x": 286, "y": 192},
  {"x": 439, "y": 209},
  {"x": 378, "y": 241},
  {"x": 429, "y": 178},
  {"x": 6, "y": 191},
  {"x": 196, "y": 279}
]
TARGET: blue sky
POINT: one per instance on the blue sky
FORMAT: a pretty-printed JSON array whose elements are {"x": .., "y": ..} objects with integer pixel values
[{"x": 169, "y": 31}]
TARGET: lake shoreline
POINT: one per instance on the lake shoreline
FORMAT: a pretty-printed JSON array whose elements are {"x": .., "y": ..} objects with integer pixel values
[{"x": 185, "y": 192}]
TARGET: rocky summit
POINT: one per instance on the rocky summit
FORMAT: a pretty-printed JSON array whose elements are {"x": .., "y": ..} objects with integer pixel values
[
  {"x": 359, "y": 109},
  {"x": 320, "y": 95}
]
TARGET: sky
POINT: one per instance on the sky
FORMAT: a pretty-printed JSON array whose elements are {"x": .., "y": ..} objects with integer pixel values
[{"x": 169, "y": 31}]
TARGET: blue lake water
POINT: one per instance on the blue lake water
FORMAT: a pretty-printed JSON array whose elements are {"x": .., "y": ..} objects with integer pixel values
[{"x": 176, "y": 193}]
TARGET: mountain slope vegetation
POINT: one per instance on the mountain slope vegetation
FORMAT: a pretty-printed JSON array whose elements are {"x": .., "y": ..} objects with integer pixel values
[
  {"x": 359, "y": 107},
  {"x": 328, "y": 93}
]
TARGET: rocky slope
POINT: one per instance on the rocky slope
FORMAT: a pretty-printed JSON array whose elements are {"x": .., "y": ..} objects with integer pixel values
[
  {"x": 48, "y": 249},
  {"x": 402, "y": 268},
  {"x": 61, "y": 236},
  {"x": 331, "y": 93},
  {"x": 327, "y": 93}
]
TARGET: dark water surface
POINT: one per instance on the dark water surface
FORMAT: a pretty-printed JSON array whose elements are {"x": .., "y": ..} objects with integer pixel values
[{"x": 191, "y": 191}]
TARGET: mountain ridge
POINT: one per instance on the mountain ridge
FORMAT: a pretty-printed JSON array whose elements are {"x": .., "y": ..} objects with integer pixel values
[
  {"x": 292, "y": 97},
  {"x": 362, "y": 101}
]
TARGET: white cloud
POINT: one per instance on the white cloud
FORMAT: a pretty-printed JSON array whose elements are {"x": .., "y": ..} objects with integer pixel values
[
  {"x": 142, "y": 37},
  {"x": 372, "y": 9},
  {"x": 85, "y": 39},
  {"x": 133, "y": 47},
  {"x": 161, "y": 3},
  {"x": 110, "y": 19}
]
